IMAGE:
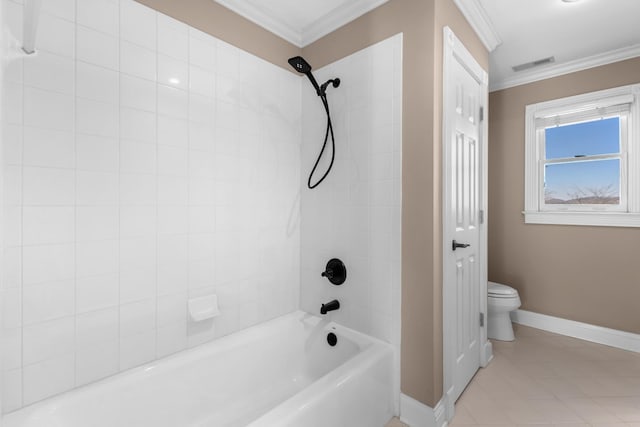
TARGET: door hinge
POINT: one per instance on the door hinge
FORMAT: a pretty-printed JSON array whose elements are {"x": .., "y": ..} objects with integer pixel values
[
  {"x": 481, "y": 113},
  {"x": 481, "y": 216},
  {"x": 481, "y": 319}
]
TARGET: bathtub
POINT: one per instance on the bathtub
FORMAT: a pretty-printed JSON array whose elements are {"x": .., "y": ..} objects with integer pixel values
[{"x": 279, "y": 373}]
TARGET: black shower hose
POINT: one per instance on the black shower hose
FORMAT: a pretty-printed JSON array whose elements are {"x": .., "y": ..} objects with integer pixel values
[{"x": 329, "y": 130}]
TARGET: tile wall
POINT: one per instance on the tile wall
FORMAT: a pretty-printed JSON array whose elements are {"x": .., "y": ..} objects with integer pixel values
[
  {"x": 145, "y": 163},
  {"x": 354, "y": 214}
]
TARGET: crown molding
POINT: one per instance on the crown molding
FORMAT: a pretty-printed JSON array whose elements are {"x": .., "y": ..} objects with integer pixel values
[
  {"x": 323, "y": 26},
  {"x": 480, "y": 22},
  {"x": 263, "y": 20},
  {"x": 337, "y": 18},
  {"x": 560, "y": 69}
]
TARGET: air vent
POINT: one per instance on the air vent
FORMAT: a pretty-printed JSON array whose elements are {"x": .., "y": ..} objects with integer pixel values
[{"x": 533, "y": 64}]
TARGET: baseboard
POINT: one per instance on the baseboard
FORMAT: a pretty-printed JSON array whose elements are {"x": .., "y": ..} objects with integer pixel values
[
  {"x": 598, "y": 334},
  {"x": 417, "y": 414}
]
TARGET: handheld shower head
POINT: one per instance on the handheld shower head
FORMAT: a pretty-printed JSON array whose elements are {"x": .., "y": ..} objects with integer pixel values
[{"x": 300, "y": 65}]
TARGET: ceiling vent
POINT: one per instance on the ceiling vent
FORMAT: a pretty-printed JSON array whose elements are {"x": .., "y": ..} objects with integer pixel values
[{"x": 533, "y": 64}]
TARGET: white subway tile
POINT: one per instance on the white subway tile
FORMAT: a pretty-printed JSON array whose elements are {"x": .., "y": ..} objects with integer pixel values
[
  {"x": 47, "y": 340},
  {"x": 173, "y": 191},
  {"x": 138, "y": 24},
  {"x": 13, "y": 191},
  {"x": 137, "y": 93},
  {"x": 52, "y": 72},
  {"x": 137, "y": 158},
  {"x": 56, "y": 35},
  {"x": 97, "y": 188},
  {"x": 173, "y": 72},
  {"x": 101, "y": 15},
  {"x": 136, "y": 350},
  {"x": 227, "y": 59},
  {"x": 138, "y": 61},
  {"x": 202, "y": 82},
  {"x": 49, "y": 110},
  {"x": 97, "y": 48},
  {"x": 172, "y": 309},
  {"x": 47, "y": 378},
  {"x": 202, "y": 164},
  {"x": 14, "y": 96},
  {"x": 96, "y": 83},
  {"x": 65, "y": 9},
  {"x": 96, "y": 223},
  {"x": 171, "y": 338},
  {"x": 44, "y": 186},
  {"x": 137, "y": 284},
  {"x": 47, "y": 225},
  {"x": 202, "y": 50},
  {"x": 12, "y": 144},
  {"x": 173, "y": 219},
  {"x": 137, "y": 190},
  {"x": 47, "y": 301},
  {"x": 173, "y": 161},
  {"x": 138, "y": 125},
  {"x": 173, "y": 102},
  {"x": 201, "y": 108},
  {"x": 11, "y": 390},
  {"x": 96, "y": 153},
  {"x": 97, "y": 327},
  {"x": 201, "y": 136},
  {"x": 97, "y": 118},
  {"x": 11, "y": 349},
  {"x": 48, "y": 148},
  {"x": 12, "y": 266},
  {"x": 137, "y": 221},
  {"x": 201, "y": 191},
  {"x": 173, "y": 38},
  {"x": 11, "y": 308},
  {"x": 137, "y": 317},
  {"x": 96, "y": 258},
  {"x": 96, "y": 362},
  {"x": 138, "y": 253},
  {"x": 96, "y": 293},
  {"x": 173, "y": 132}
]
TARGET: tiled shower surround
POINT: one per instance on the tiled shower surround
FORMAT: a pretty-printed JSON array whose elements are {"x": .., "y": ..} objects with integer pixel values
[
  {"x": 145, "y": 163},
  {"x": 354, "y": 214}
]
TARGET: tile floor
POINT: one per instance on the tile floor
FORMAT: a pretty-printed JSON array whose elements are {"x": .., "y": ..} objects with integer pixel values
[{"x": 546, "y": 379}]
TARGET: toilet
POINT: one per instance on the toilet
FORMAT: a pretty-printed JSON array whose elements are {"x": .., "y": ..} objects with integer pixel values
[{"x": 501, "y": 300}]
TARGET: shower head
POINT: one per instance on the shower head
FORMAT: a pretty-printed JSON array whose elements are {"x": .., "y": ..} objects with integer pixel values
[{"x": 300, "y": 65}]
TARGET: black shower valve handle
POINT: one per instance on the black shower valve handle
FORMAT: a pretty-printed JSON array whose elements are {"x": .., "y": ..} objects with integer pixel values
[{"x": 335, "y": 271}]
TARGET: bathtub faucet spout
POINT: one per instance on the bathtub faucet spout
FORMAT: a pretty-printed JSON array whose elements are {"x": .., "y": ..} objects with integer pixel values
[{"x": 330, "y": 306}]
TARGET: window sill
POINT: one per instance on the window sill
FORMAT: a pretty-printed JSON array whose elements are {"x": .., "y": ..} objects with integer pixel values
[{"x": 598, "y": 219}]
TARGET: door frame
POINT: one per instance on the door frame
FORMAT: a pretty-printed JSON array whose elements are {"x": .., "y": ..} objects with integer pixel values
[{"x": 454, "y": 50}]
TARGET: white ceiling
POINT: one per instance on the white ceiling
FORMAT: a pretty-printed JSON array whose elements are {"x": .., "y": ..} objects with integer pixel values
[
  {"x": 579, "y": 35},
  {"x": 301, "y": 21}
]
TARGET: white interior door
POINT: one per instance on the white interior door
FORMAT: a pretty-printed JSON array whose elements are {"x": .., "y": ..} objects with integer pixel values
[{"x": 464, "y": 251}]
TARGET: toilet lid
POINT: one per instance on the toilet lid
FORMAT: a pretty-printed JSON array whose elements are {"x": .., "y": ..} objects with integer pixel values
[{"x": 501, "y": 290}]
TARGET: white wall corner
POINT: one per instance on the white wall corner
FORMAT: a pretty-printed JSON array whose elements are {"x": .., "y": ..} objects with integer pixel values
[
  {"x": 584, "y": 331},
  {"x": 417, "y": 414},
  {"x": 480, "y": 22}
]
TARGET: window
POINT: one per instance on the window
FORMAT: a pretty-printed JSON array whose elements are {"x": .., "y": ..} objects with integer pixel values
[{"x": 582, "y": 161}]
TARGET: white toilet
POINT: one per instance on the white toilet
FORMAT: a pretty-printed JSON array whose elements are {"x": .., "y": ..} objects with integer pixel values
[{"x": 501, "y": 300}]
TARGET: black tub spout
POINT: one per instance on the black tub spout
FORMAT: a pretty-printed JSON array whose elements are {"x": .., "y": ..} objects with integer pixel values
[{"x": 330, "y": 306}]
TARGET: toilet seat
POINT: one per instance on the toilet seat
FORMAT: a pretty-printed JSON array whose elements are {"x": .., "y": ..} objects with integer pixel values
[{"x": 497, "y": 290}]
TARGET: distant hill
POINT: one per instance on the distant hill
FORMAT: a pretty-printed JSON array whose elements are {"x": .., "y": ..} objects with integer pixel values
[{"x": 584, "y": 201}]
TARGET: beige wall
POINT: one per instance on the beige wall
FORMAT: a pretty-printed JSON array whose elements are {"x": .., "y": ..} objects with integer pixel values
[
  {"x": 588, "y": 274},
  {"x": 220, "y": 22},
  {"x": 421, "y": 22}
]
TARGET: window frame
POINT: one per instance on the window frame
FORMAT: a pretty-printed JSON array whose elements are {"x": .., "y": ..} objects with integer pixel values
[{"x": 575, "y": 109}]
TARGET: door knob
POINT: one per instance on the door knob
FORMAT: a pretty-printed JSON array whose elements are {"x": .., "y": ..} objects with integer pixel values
[{"x": 455, "y": 245}]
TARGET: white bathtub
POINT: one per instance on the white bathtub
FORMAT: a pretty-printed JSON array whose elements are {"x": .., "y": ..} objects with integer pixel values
[{"x": 280, "y": 373}]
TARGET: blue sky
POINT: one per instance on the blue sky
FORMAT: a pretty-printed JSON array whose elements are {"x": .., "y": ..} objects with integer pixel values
[{"x": 590, "y": 138}]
